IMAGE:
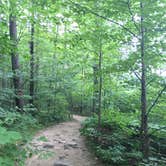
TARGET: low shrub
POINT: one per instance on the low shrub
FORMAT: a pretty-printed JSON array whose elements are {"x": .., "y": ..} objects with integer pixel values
[{"x": 117, "y": 141}]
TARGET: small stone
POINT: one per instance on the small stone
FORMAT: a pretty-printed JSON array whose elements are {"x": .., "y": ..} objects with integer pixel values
[
  {"x": 62, "y": 157},
  {"x": 60, "y": 163},
  {"x": 48, "y": 146},
  {"x": 72, "y": 144},
  {"x": 61, "y": 142},
  {"x": 66, "y": 146}
]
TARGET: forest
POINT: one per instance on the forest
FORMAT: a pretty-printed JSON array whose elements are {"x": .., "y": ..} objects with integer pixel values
[{"x": 101, "y": 61}]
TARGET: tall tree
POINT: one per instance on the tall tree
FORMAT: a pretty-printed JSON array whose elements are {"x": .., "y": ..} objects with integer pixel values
[
  {"x": 32, "y": 64},
  {"x": 15, "y": 58},
  {"x": 100, "y": 86},
  {"x": 144, "y": 120}
]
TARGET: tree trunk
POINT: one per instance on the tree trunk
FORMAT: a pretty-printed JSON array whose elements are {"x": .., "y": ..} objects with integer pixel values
[
  {"x": 82, "y": 93},
  {"x": 100, "y": 89},
  {"x": 95, "y": 87},
  {"x": 144, "y": 118},
  {"x": 15, "y": 64},
  {"x": 32, "y": 66}
]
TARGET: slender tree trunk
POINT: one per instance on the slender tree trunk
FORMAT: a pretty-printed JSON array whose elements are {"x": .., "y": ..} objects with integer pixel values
[
  {"x": 82, "y": 84},
  {"x": 144, "y": 118},
  {"x": 3, "y": 86},
  {"x": 55, "y": 63},
  {"x": 32, "y": 66},
  {"x": 100, "y": 89},
  {"x": 15, "y": 64},
  {"x": 104, "y": 100},
  {"x": 95, "y": 87}
]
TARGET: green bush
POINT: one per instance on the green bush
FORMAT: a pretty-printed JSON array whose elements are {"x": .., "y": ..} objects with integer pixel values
[
  {"x": 8, "y": 137},
  {"x": 8, "y": 150},
  {"x": 117, "y": 142}
]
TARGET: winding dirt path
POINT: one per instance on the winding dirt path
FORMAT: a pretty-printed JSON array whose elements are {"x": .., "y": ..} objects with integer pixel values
[{"x": 61, "y": 145}]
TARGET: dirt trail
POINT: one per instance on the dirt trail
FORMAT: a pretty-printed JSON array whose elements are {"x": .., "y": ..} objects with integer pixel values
[{"x": 61, "y": 145}]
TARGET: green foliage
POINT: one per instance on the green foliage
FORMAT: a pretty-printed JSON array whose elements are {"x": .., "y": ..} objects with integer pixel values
[
  {"x": 112, "y": 154},
  {"x": 8, "y": 140},
  {"x": 68, "y": 38},
  {"x": 6, "y": 161},
  {"x": 113, "y": 144},
  {"x": 12, "y": 154},
  {"x": 46, "y": 155},
  {"x": 8, "y": 137},
  {"x": 17, "y": 121},
  {"x": 43, "y": 138},
  {"x": 117, "y": 142}
]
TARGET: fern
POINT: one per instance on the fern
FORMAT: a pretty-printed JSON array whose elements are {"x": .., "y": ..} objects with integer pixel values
[{"x": 8, "y": 137}]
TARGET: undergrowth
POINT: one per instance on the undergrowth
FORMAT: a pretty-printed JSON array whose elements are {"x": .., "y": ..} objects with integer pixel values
[
  {"x": 16, "y": 129},
  {"x": 117, "y": 142}
]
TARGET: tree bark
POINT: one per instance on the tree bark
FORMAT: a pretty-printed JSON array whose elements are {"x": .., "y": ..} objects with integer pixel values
[
  {"x": 82, "y": 93},
  {"x": 100, "y": 88},
  {"x": 15, "y": 64},
  {"x": 95, "y": 88},
  {"x": 32, "y": 66},
  {"x": 144, "y": 117}
]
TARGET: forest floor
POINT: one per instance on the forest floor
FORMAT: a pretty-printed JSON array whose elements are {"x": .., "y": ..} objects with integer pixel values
[{"x": 61, "y": 145}]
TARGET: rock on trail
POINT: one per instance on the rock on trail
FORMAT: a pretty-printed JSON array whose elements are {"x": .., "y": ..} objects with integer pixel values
[{"x": 61, "y": 145}]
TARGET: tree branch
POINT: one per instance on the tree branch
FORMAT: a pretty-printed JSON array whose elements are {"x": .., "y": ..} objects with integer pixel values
[
  {"x": 149, "y": 82},
  {"x": 132, "y": 16},
  {"x": 105, "y": 18},
  {"x": 136, "y": 74},
  {"x": 156, "y": 100}
]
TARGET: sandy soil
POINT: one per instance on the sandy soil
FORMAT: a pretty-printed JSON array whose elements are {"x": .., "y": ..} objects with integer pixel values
[{"x": 61, "y": 145}]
